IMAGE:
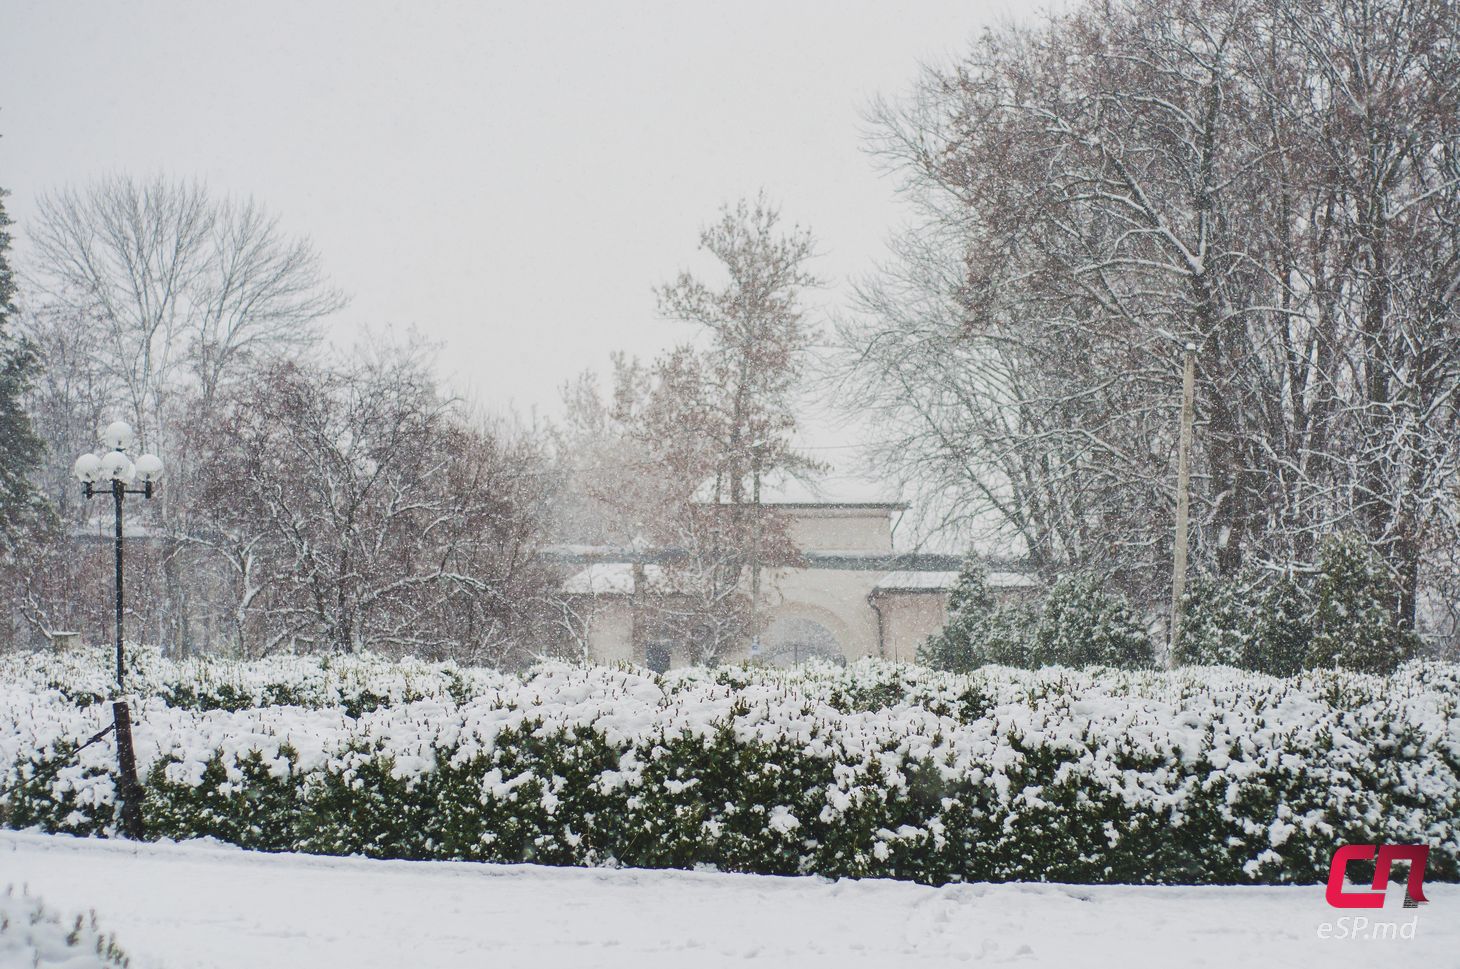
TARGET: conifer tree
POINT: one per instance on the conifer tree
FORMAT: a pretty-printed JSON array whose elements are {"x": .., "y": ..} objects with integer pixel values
[
  {"x": 1355, "y": 625},
  {"x": 1082, "y": 624},
  {"x": 958, "y": 646},
  {"x": 980, "y": 630},
  {"x": 19, "y": 444}
]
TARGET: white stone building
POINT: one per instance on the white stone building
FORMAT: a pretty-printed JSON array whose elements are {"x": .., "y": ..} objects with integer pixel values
[{"x": 854, "y": 596}]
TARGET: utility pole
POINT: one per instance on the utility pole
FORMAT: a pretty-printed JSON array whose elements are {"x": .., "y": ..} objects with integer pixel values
[
  {"x": 755, "y": 548},
  {"x": 1183, "y": 499}
]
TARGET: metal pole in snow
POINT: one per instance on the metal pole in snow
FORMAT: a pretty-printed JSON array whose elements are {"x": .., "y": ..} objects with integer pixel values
[
  {"x": 130, "y": 790},
  {"x": 117, "y": 491}
]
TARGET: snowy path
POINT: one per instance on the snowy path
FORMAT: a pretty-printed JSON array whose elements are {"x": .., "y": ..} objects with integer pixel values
[{"x": 195, "y": 905}]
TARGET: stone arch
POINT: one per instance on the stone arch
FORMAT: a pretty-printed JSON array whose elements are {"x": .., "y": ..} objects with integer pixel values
[{"x": 799, "y": 631}]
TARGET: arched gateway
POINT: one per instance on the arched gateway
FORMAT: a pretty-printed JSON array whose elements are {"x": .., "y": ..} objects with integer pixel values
[{"x": 793, "y": 641}]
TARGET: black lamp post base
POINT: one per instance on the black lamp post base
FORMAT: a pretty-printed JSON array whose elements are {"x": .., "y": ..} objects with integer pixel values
[{"x": 129, "y": 790}]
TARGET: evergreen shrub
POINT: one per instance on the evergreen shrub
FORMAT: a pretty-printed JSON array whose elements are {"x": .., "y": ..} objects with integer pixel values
[{"x": 1206, "y": 776}]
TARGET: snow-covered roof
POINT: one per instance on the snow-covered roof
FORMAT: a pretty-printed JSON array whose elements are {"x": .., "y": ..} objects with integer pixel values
[
  {"x": 911, "y": 581},
  {"x": 570, "y": 550},
  {"x": 603, "y": 578},
  {"x": 1011, "y": 580},
  {"x": 916, "y": 581},
  {"x": 614, "y": 579}
]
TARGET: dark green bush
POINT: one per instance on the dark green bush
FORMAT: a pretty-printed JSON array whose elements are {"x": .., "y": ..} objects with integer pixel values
[
  {"x": 1078, "y": 624},
  {"x": 1081, "y": 624},
  {"x": 881, "y": 770},
  {"x": 1338, "y": 615},
  {"x": 1355, "y": 625}
]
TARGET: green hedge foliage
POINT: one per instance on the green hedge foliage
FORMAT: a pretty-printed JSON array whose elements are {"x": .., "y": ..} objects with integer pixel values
[
  {"x": 1337, "y": 614},
  {"x": 1079, "y": 623},
  {"x": 878, "y": 770}
]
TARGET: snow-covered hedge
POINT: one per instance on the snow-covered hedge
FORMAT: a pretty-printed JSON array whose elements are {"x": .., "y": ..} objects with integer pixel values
[
  {"x": 354, "y": 683},
  {"x": 33, "y": 935},
  {"x": 1195, "y": 776}
]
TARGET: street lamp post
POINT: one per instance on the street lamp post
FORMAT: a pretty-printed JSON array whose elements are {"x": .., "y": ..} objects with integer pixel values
[{"x": 111, "y": 473}]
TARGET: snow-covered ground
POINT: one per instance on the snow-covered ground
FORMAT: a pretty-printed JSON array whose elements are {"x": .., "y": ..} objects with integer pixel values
[{"x": 194, "y": 905}]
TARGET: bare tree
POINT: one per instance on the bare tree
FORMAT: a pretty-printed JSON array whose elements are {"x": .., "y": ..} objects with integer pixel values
[
  {"x": 359, "y": 510},
  {"x": 674, "y": 458},
  {"x": 182, "y": 285},
  {"x": 1275, "y": 183},
  {"x": 155, "y": 296},
  {"x": 635, "y": 469},
  {"x": 743, "y": 384},
  {"x": 262, "y": 293}
]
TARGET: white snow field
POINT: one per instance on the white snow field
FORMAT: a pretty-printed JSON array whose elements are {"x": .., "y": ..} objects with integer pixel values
[{"x": 198, "y": 905}]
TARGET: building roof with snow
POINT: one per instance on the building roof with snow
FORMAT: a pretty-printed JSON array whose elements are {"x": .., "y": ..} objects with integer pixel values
[{"x": 906, "y": 580}]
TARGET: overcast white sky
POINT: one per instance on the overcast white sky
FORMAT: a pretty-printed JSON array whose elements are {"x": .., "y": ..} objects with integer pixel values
[{"x": 510, "y": 179}]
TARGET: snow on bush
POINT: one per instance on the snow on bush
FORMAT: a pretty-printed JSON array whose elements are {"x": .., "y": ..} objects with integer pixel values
[
  {"x": 32, "y": 935},
  {"x": 1202, "y": 775},
  {"x": 88, "y": 676},
  {"x": 1079, "y": 623}
]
